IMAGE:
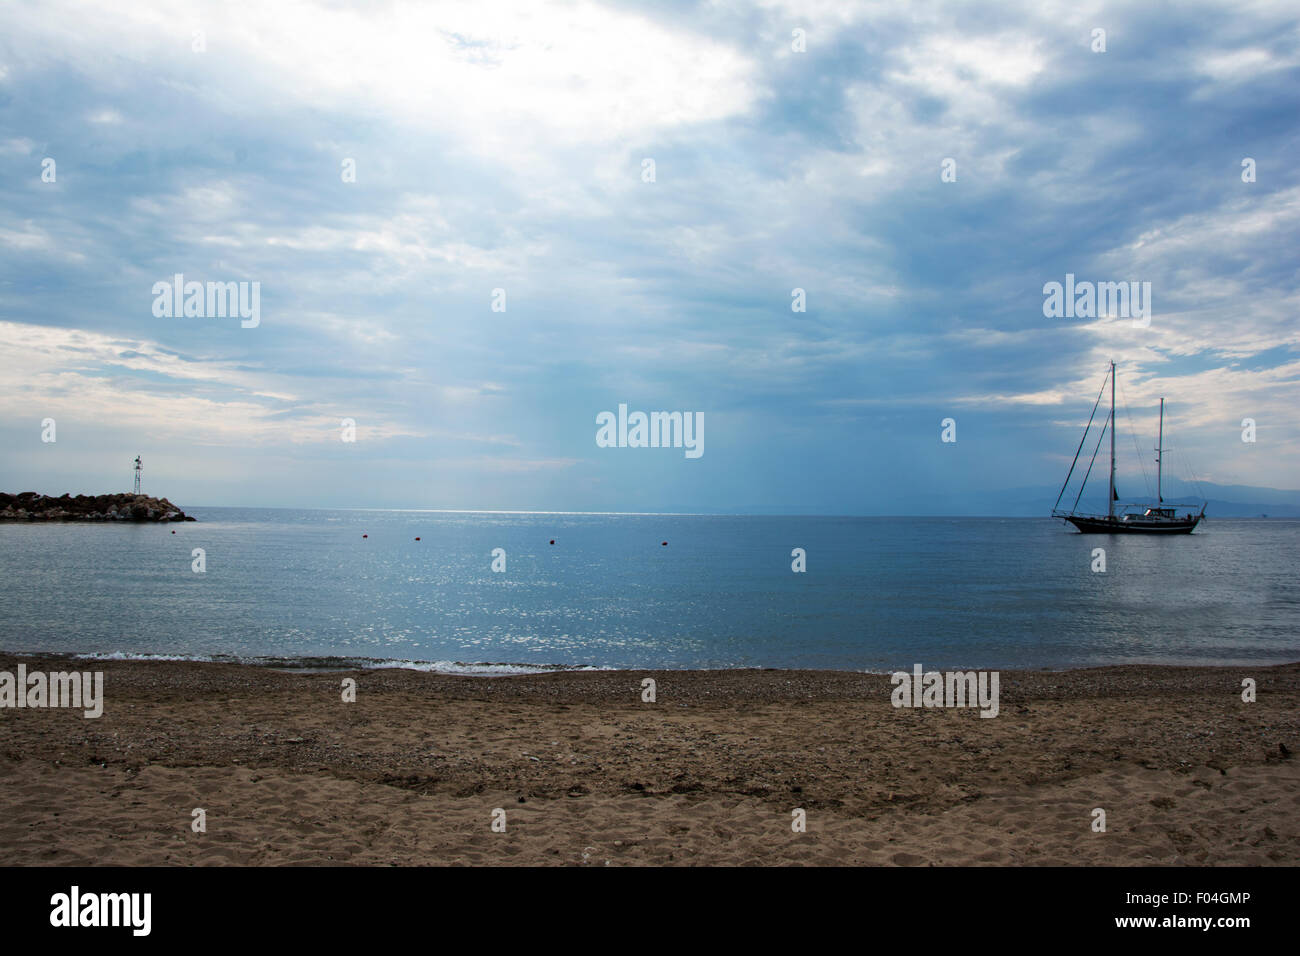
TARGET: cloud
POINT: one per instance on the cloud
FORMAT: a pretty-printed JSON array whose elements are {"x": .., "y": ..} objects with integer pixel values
[
  {"x": 500, "y": 147},
  {"x": 16, "y": 147}
]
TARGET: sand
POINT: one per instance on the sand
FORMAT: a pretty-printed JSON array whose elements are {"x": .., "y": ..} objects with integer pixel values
[{"x": 588, "y": 774}]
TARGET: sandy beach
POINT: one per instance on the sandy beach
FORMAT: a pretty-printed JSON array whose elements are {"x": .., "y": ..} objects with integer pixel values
[{"x": 589, "y": 774}]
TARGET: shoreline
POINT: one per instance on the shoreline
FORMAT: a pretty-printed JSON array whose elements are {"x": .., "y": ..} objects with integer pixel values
[
  {"x": 1110, "y": 680},
  {"x": 587, "y": 773},
  {"x": 331, "y": 664}
]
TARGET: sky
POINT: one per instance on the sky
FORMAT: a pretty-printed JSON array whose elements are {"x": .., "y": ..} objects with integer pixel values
[{"x": 474, "y": 227}]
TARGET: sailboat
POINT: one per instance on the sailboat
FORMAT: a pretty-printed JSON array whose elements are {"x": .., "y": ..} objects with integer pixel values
[{"x": 1154, "y": 520}]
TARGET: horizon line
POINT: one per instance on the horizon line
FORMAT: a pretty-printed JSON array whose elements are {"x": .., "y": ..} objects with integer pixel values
[{"x": 658, "y": 514}]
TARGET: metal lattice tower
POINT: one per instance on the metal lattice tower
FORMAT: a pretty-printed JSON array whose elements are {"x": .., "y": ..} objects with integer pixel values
[{"x": 138, "y": 468}]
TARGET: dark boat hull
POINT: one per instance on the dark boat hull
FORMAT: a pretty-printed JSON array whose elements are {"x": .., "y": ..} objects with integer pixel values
[{"x": 1135, "y": 525}]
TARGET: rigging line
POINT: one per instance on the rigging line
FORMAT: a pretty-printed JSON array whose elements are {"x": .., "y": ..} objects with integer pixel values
[
  {"x": 1090, "y": 464},
  {"x": 1200, "y": 492},
  {"x": 1146, "y": 479},
  {"x": 1080, "y": 448},
  {"x": 1187, "y": 469}
]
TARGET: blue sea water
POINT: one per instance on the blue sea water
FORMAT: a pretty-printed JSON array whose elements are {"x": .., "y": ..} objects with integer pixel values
[{"x": 878, "y": 593}]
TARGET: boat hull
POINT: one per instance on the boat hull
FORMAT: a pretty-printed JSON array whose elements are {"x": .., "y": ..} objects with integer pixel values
[{"x": 1088, "y": 524}]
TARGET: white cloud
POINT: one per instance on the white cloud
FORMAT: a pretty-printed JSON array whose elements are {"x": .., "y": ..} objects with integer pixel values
[
  {"x": 1244, "y": 64},
  {"x": 498, "y": 78},
  {"x": 16, "y": 147},
  {"x": 30, "y": 238},
  {"x": 75, "y": 370}
]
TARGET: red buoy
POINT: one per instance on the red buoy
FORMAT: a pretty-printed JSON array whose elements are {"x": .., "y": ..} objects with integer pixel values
[
  {"x": 173, "y": 532},
  {"x": 552, "y": 541},
  {"x": 417, "y": 539},
  {"x": 365, "y": 536},
  {"x": 665, "y": 544}
]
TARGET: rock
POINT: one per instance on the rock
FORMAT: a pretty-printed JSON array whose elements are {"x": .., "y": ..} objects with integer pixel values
[{"x": 30, "y": 506}]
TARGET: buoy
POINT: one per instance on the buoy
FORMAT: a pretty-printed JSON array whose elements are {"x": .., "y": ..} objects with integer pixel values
[
  {"x": 417, "y": 539},
  {"x": 365, "y": 536},
  {"x": 552, "y": 541},
  {"x": 664, "y": 545},
  {"x": 173, "y": 532}
]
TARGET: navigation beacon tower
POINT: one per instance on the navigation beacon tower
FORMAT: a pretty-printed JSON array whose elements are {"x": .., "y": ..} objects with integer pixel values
[{"x": 138, "y": 468}]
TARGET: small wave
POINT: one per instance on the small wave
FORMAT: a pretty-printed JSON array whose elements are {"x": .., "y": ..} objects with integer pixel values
[
  {"x": 480, "y": 669},
  {"x": 130, "y": 656},
  {"x": 476, "y": 669}
]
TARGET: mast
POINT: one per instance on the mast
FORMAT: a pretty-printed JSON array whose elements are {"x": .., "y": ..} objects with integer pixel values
[
  {"x": 1110, "y": 499},
  {"x": 1160, "y": 453}
]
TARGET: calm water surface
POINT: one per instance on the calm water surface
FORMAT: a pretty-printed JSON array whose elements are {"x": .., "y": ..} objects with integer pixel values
[{"x": 879, "y": 593}]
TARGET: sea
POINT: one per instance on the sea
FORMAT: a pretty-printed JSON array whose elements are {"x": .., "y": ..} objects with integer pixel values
[{"x": 314, "y": 588}]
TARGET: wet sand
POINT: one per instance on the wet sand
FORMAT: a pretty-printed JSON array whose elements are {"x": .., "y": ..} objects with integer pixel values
[{"x": 589, "y": 774}]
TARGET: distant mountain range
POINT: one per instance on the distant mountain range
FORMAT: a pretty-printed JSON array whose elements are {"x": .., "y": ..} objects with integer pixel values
[{"x": 1225, "y": 501}]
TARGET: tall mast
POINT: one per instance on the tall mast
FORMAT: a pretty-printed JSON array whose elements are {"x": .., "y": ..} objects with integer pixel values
[
  {"x": 1160, "y": 453},
  {"x": 1110, "y": 499}
]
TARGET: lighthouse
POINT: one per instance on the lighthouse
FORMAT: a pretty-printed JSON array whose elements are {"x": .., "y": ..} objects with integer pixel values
[{"x": 138, "y": 468}]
